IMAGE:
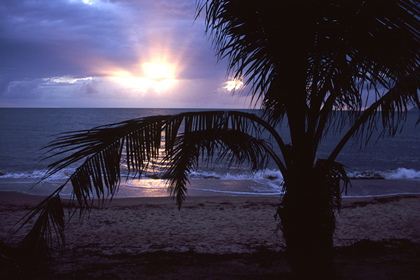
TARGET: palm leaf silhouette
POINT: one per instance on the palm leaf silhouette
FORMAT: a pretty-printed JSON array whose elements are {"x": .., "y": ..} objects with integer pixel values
[
  {"x": 176, "y": 143},
  {"x": 303, "y": 61}
]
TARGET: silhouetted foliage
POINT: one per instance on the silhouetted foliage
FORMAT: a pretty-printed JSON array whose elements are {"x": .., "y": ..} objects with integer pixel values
[{"x": 302, "y": 61}]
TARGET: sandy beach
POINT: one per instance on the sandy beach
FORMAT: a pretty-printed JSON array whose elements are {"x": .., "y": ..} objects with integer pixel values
[{"x": 215, "y": 237}]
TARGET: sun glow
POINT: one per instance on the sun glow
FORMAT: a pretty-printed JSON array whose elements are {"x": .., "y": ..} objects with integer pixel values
[
  {"x": 233, "y": 85},
  {"x": 156, "y": 76},
  {"x": 158, "y": 71}
]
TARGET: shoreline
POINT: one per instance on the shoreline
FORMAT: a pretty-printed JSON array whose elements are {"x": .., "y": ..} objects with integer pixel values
[
  {"x": 15, "y": 198},
  {"x": 205, "y": 187}
]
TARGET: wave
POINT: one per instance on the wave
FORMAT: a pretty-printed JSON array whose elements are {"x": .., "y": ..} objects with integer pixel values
[
  {"x": 266, "y": 174},
  {"x": 263, "y": 183},
  {"x": 402, "y": 173},
  {"x": 37, "y": 174},
  {"x": 269, "y": 176},
  {"x": 399, "y": 173}
]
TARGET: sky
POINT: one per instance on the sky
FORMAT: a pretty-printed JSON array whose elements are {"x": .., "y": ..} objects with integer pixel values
[{"x": 110, "y": 53}]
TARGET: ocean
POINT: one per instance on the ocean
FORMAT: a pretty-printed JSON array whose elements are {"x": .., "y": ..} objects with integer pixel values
[{"x": 24, "y": 131}]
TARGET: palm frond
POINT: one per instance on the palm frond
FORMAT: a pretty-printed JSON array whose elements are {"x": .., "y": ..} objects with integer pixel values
[
  {"x": 391, "y": 109},
  {"x": 138, "y": 142},
  {"x": 342, "y": 49},
  {"x": 212, "y": 145},
  {"x": 48, "y": 227},
  {"x": 239, "y": 34},
  {"x": 78, "y": 145},
  {"x": 177, "y": 143}
]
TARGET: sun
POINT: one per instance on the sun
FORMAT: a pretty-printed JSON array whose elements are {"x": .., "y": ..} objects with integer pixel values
[
  {"x": 156, "y": 76},
  {"x": 158, "y": 71}
]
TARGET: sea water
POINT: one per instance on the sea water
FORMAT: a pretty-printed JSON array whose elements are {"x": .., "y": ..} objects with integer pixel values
[{"x": 24, "y": 131}]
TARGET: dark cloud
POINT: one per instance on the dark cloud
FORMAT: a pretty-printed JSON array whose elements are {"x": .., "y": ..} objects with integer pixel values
[{"x": 57, "y": 38}]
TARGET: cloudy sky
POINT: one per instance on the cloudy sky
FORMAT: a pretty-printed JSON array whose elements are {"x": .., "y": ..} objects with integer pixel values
[{"x": 109, "y": 53}]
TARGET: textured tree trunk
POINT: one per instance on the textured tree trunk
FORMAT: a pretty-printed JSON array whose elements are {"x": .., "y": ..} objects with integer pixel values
[{"x": 308, "y": 223}]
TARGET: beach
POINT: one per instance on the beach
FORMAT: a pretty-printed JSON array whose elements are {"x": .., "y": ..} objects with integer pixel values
[{"x": 217, "y": 237}]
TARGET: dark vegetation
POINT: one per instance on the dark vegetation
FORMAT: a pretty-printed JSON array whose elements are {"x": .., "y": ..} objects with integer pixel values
[
  {"x": 365, "y": 260},
  {"x": 301, "y": 62}
]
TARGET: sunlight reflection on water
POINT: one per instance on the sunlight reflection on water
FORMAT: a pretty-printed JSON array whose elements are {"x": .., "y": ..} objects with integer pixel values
[{"x": 197, "y": 187}]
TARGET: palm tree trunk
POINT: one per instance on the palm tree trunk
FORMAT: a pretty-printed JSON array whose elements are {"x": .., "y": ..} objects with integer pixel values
[{"x": 308, "y": 224}]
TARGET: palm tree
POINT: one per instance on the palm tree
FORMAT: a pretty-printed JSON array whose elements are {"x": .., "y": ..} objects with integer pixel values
[{"x": 314, "y": 66}]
